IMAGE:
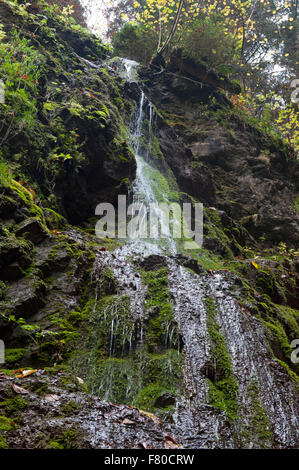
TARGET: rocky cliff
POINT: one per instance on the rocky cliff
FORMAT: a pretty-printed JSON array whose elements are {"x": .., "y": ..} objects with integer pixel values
[{"x": 189, "y": 349}]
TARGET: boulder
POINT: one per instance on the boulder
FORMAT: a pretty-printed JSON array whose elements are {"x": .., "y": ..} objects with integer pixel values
[{"x": 32, "y": 229}]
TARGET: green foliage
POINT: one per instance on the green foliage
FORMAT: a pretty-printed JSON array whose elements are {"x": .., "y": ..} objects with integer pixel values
[
  {"x": 271, "y": 113},
  {"x": 35, "y": 332},
  {"x": 205, "y": 41},
  {"x": 20, "y": 68},
  {"x": 5, "y": 171},
  {"x": 3, "y": 444},
  {"x": 134, "y": 42},
  {"x": 2, "y": 32},
  {"x": 278, "y": 338},
  {"x": 68, "y": 12},
  {"x": 230, "y": 38}
]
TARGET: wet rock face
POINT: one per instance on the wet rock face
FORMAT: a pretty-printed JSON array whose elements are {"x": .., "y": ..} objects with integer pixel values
[
  {"x": 42, "y": 272},
  {"x": 153, "y": 262},
  {"x": 165, "y": 400},
  {"x": 232, "y": 392},
  {"x": 258, "y": 392},
  {"x": 99, "y": 179},
  {"x": 25, "y": 297},
  {"x": 194, "y": 180},
  {"x": 32, "y": 230},
  {"x": 255, "y": 180},
  {"x": 172, "y": 339},
  {"x": 54, "y": 413},
  {"x": 188, "y": 67}
]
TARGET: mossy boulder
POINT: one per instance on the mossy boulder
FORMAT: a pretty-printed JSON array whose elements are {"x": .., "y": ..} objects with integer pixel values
[{"x": 31, "y": 229}]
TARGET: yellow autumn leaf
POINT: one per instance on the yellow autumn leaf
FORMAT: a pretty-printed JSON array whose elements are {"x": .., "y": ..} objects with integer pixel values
[{"x": 25, "y": 373}]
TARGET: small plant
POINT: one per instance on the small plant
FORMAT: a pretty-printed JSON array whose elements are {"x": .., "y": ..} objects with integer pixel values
[
  {"x": 35, "y": 332},
  {"x": 5, "y": 172}
]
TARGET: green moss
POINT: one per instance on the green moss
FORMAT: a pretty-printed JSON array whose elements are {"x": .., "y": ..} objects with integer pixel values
[
  {"x": 206, "y": 259},
  {"x": 160, "y": 307},
  {"x": 111, "y": 362},
  {"x": 3, "y": 288},
  {"x": 13, "y": 357},
  {"x": 109, "y": 283},
  {"x": 117, "y": 379},
  {"x": 8, "y": 372},
  {"x": 138, "y": 379},
  {"x": 70, "y": 407},
  {"x": 267, "y": 281},
  {"x": 224, "y": 390},
  {"x": 3, "y": 443},
  {"x": 292, "y": 374},
  {"x": 55, "y": 445},
  {"x": 5, "y": 424},
  {"x": 53, "y": 370},
  {"x": 114, "y": 324},
  {"x": 290, "y": 317},
  {"x": 13, "y": 405},
  {"x": 160, "y": 184},
  {"x": 280, "y": 342},
  {"x": 40, "y": 388},
  {"x": 219, "y": 243},
  {"x": 77, "y": 316},
  {"x": 27, "y": 198},
  {"x": 148, "y": 395},
  {"x": 257, "y": 431},
  {"x": 280, "y": 321},
  {"x": 161, "y": 374},
  {"x": 279, "y": 335},
  {"x": 66, "y": 439},
  {"x": 54, "y": 220}
]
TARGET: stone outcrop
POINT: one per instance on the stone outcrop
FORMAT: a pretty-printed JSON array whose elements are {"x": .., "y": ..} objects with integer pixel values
[{"x": 190, "y": 68}]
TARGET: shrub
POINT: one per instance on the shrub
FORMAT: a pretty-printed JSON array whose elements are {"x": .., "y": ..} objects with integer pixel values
[{"x": 135, "y": 42}]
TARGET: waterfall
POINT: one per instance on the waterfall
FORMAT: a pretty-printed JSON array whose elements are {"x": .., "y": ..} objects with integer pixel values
[
  {"x": 145, "y": 186},
  {"x": 229, "y": 392}
]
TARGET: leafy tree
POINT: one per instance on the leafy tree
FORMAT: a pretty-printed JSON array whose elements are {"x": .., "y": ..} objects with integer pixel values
[
  {"x": 253, "y": 41},
  {"x": 77, "y": 10},
  {"x": 133, "y": 43}
]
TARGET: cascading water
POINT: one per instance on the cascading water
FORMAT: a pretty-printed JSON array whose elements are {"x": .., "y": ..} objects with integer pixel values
[
  {"x": 144, "y": 194},
  {"x": 147, "y": 191},
  {"x": 211, "y": 359}
]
